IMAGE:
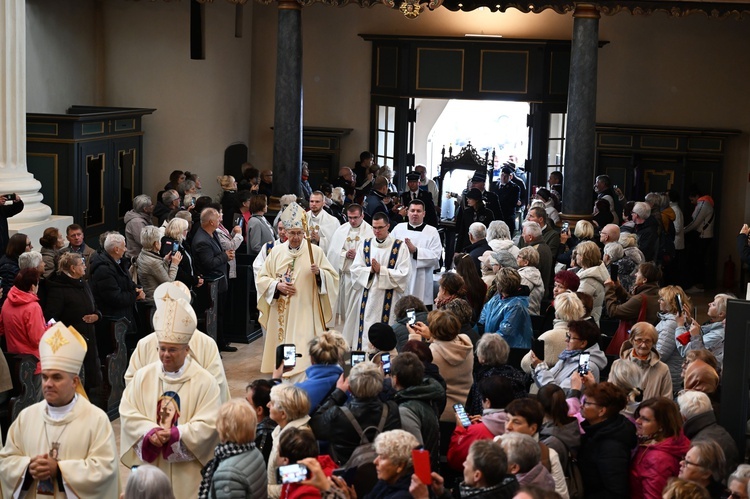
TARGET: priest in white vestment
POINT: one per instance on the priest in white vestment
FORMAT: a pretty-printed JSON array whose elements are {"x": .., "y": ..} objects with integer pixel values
[
  {"x": 62, "y": 446},
  {"x": 203, "y": 348},
  {"x": 321, "y": 223},
  {"x": 380, "y": 275},
  {"x": 423, "y": 242},
  {"x": 296, "y": 296},
  {"x": 168, "y": 412},
  {"x": 346, "y": 241}
]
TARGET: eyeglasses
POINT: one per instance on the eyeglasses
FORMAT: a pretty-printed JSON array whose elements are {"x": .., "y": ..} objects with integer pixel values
[
  {"x": 586, "y": 402},
  {"x": 28, "y": 245},
  {"x": 571, "y": 338},
  {"x": 381, "y": 227},
  {"x": 643, "y": 341},
  {"x": 688, "y": 463}
]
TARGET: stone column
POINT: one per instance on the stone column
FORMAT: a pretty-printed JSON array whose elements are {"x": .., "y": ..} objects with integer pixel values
[
  {"x": 14, "y": 177},
  {"x": 287, "y": 125},
  {"x": 580, "y": 135}
]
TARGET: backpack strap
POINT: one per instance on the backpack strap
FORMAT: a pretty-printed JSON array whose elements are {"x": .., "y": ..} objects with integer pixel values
[{"x": 362, "y": 433}]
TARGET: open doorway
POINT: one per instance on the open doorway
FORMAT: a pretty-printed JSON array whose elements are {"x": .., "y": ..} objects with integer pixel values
[{"x": 499, "y": 126}]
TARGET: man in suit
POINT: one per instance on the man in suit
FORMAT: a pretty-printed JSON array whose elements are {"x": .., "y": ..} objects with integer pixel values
[
  {"x": 509, "y": 195},
  {"x": 211, "y": 262},
  {"x": 414, "y": 192}
]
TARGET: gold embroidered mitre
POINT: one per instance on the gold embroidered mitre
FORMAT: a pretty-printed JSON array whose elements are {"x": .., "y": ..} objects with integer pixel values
[
  {"x": 293, "y": 217},
  {"x": 174, "y": 320},
  {"x": 62, "y": 348}
]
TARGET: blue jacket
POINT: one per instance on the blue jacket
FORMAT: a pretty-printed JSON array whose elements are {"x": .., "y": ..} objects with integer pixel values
[
  {"x": 321, "y": 380},
  {"x": 508, "y": 317}
]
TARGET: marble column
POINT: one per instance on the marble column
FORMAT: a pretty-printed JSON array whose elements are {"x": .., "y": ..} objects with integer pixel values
[
  {"x": 580, "y": 135},
  {"x": 287, "y": 126},
  {"x": 14, "y": 177}
]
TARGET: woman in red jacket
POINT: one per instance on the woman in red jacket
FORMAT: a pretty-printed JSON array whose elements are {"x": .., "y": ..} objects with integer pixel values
[{"x": 661, "y": 446}]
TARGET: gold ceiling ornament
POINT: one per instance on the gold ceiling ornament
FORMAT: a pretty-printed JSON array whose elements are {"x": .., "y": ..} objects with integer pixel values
[{"x": 412, "y": 8}]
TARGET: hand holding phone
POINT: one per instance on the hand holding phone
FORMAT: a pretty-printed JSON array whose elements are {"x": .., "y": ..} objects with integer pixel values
[
  {"x": 565, "y": 227},
  {"x": 680, "y": 311},
  {"x": 411, "y": 315},
  {"x": 292, "y": 473},
  {"x": 462, "y": 416},
  {"x": 537, "y": 346},
  {"x": 385, "y": 361},
  {"x": 286, "y": 353},
  {"x": 583, "y": 364},
  {"x": 614, "y": 270}
]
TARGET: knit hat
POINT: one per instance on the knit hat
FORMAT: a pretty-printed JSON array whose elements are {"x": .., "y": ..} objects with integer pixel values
[
  {"x": 293, "y": 217},
  {"x": 62, "y": 348},
  {"x": 174, "y": 320},
  {"x": 504, "y": 259},
  {"x": 568, "y": 279},
  {"x": 382, "y": 337}
]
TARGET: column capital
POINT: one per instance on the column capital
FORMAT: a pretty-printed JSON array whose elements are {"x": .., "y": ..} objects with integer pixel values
[
  {"x": 289, "y": 5},
  {"x": 586, "y": 11}
]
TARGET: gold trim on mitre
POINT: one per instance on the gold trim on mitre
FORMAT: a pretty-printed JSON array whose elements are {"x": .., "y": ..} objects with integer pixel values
[
  {"x": 175, "y": 290},
  {"x": 174, "y": 320},
  {"x": 293, "y": 217},
  {"x": 62, "y": 348}
]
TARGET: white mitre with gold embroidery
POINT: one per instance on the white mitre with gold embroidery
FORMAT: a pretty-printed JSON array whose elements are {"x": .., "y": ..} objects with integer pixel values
[
  {"x": 174, "y": 320},
  {"x": 293, "y": 217},
  {"x": 176, "y": 290},
  {"x": 62, "y": 348}
]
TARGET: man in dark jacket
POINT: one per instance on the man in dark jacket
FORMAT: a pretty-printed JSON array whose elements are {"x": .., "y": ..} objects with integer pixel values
[
  {"x": 375, "y": 201},
  {"x": 7, "y": 211},
  {"x": 647, "y": 230},
  {"x": 114, "y": 291},
  {"x": 509, "y": 195},
  {"x": 700, "y": 423},
  {"x": 414, "y": 192},
  {"x": 415, "y": 395},
  {"x": 478, "y": 240},
  {"x": 211, "y": 262}
]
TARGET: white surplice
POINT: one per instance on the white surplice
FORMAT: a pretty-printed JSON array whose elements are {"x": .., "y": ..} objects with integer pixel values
[
  {"x": 325, "y": 225},
  {"x": 391, "y": 281},
  {"x": 345, "y": 238},
  {"x": 429, "y": 251}
]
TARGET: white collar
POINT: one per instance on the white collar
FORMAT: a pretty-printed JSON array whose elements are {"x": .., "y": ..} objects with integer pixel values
[
  {"x": 57, "y": 413},
  {"x": 179, "y": 371}
]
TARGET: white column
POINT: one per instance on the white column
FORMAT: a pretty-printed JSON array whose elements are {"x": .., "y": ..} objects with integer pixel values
[{"x": 14, "y": 177}]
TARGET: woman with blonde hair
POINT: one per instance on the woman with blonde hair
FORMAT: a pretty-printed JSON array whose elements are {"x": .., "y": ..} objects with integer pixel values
[
  {"x": 238, "y": 468},
  {"x": 640, "y": 350},
  {"x": 326, "y": 356},
  {"x": 627, "y": 376},
  {"x": 666, "y": 346},
  {"x": 592, "y": 274},
  {"x": 228, "y": 198}
]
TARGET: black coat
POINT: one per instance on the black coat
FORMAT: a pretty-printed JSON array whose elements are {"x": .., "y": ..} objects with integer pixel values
[
  {"x": 230, "y": 204},
  {"x": 430, "y": 213},
  {"x": 508, "y": 196},
  {"x": 113, "y": 289},
  {"x": 604, "y": 457},
  {"x": 67, "y": 300},
  {"x": 7, "y": 211},
  {"x": 374, "y": 204},
  {"x": 185, "y": 273},
  {"x": 8, "y": 272},
  {"x": 704, "y": 426},
  {"x": 475, "y": 250},
  {"x": 330, "y": 423},
  {"x": 467, "y": 217},
  {"x": 209, "y": 260}
]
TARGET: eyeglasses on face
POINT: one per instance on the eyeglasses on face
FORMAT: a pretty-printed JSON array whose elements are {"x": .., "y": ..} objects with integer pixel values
[{"x": 571, "y": 338}]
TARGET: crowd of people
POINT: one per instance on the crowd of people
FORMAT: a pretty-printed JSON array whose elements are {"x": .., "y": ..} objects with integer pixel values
[{"x": 557, "y": 363}]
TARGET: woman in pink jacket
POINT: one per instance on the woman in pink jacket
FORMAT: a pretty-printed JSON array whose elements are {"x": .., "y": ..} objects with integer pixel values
[{"x": 661, "y": 446}]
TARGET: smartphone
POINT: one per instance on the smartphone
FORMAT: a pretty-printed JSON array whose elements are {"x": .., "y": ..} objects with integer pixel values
[
  {"x": 385, "y": 359},
  {"x": 583, "y": 364},
  {"x": 348, "y": 474},
  {"x": 175, "y": 247},
  {"x": 565, "y": 227},
  {"x": 465, "y": 421},
  {"x": 286, "y": 352},
  {"x": 412, "y": 315},
  {"x": 238, "y": 221},
  {"x": 614, "y": 269},
  {"x": 422, "y": 468},
  {"x": 292, "y": 473},
  {"x": 358, "y": 357},
  {"x": 10, "y": 197},
  {"x": 537, "y": 346},
  {"x": 679, "y": 304}
]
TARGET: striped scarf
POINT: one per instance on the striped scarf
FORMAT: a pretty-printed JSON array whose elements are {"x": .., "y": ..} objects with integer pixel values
[{"x": 222, "y": 451}]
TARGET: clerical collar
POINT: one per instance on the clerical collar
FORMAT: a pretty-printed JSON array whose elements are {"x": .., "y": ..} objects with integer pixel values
[
  {"x": 179, "y": 371},
  {"x": 57, "y": 413},
  {"x": 417, "y": 228},
  {"x": 380, "y": 241}
]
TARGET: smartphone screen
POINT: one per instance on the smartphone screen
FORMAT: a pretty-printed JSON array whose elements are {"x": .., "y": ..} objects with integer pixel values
[
  {"x": 386, "y": 360},
  {"x": 175, "y": 247},
  {"x": 465, "y": 421},
  {"x": 358, "y": 357},
  {"x": 614, "y": 269},
  {"x": 422, "y": 468},
  {"x": 412, "y": 316},
  {"x": 679, "y": 304},
  {"x": 293, "y": 473},
  {"x": 583, "y": 364},
  {"x": 290, "y": 355},
  {"x": 565, "y": 227}
]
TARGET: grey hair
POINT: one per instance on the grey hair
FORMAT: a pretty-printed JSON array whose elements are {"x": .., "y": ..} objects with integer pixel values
[
  {"x": 141, "y": 202},
  {"x": 721, "y": 302},
  {"x": 504, "y": 258},
  {"x": 208, "y": 214},
  {"x": 169, "y": 196},
  {"x": 148, "y": 482},
  {"x": 628, "y": 240},
  {"x": 532, "y": 229},
  {"x": 711, "y": 457},
  {"x": 693, "y": 402},
  {"x": 186, "y": 185},
  {"x": 477, "y": 230},
  {"x": 492, "y": 350},
  {"x": 741, "y": 474},
  {"x": 498, "y": 230},
  {"x": 287, "y": 199},
  {"x": 643, "y": 210},
  {"x": 185, "y": 215},
  {"x": 626, "y": 375},
  {"x": 521, "y": 450},
  {"x": 113, "y": 240},
  {"x": 150, "y": 235},
  {"x": 31, "y": 260},
  {"x": 338, "y": 195},
  {"x": 366, "y": 380},
  {"x": 614, "y": 250},
  {"x": 397, "y": 446},
  {"x": 175, "y": 229},
  {"x": 653, "y": 199}
]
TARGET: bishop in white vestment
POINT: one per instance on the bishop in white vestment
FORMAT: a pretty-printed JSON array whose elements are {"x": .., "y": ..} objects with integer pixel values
[
  {"x": 62, "y": 446},
  {"x": 346, "y": 241},
  {"x": 423, "y": 242},
  {"x": 380, "y": 275}
]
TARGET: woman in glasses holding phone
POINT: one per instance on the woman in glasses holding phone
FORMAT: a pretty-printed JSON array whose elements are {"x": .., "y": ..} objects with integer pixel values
[{"x": 640, "y": 349}]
